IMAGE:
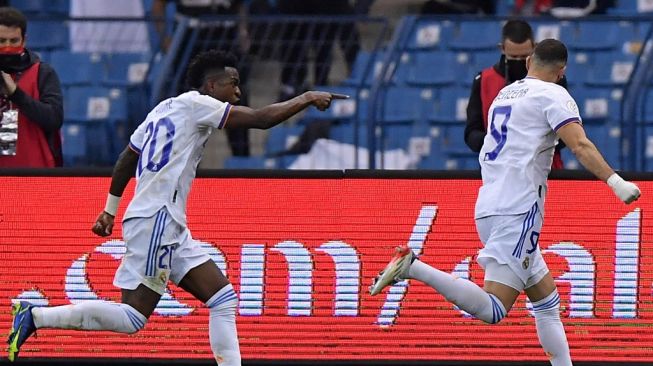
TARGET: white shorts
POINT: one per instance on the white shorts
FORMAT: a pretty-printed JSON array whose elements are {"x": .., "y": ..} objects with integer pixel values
[
  {"x": 158, "y": 249},
  {"x": 511, "y": 254}
]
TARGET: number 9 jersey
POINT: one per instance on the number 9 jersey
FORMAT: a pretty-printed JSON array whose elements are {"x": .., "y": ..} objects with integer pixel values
[
  {"x": 518, "y": 149},
  {"x": 170, "y": 142}
]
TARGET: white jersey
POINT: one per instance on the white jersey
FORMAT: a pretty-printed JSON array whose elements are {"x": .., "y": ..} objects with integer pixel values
[
  {"x": 171, "y": 141},
  {"x": 518, "y": 149}
]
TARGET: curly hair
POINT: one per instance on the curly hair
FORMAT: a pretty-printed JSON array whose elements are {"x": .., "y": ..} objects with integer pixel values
[{"x": 206, "y": 62}]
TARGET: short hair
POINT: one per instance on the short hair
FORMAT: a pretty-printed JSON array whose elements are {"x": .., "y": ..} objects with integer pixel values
[
  {"x": 12, "y": 17},
  {"x": 517, "y": 30},
  {"x": 206, "y": 63},
  {"x": 550, "y": 52}
]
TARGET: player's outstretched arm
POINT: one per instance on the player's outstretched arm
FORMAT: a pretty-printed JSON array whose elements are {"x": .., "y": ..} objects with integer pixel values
[
  {"x": 122, "y": 172},
  {"x": 587, "y": 154},
  {"x": 273, "y": 114}
]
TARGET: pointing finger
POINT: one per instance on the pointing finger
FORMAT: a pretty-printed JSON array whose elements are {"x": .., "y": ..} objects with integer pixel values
[{"x": 339, "y": 96}]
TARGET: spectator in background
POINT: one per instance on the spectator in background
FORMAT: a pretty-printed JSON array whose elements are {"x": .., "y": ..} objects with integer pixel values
[
  {"x": 301, "y": 36},
  {"x": 31, "y": 101},
  {"x": 517, "y": 43},
  {"x": 214, "y": 34}
]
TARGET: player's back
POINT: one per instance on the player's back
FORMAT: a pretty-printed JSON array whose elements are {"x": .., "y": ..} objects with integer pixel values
[
  {"x": 171, "y": 141},
  {"x": 518, "y": 149}
]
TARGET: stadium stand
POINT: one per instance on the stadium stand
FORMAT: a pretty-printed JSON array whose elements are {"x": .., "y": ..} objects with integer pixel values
[{"x": 432, "y": 62}]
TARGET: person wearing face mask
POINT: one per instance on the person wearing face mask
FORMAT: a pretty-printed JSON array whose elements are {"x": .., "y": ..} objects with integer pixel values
[
  {"x": 517, "y": 43},
  {"x": 31, "y": 102}
]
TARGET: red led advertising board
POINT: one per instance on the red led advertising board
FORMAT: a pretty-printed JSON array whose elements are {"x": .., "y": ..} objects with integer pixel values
[{"x": 301, "y": 254}]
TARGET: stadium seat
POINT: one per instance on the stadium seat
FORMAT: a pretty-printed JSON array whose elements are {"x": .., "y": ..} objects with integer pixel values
[
  {"x": 249, "y": 162},
  {"x": 124, "y": 69},
  {"x": 594, "y": 104},
  {"x": 47, "y": 35},
  {"x": 403, "y": 104},
  {"x": 345, "y": 133},
  {"x": 281, "y": 138},
  {"x": 103, "y": 112},
  {"x": 396, "y": 136},
  {"x": 476, "y": 35},
  {"x": 630, "y": 8},
  {"x": 613, "y": 69},
  {"x": 450, "y": 107},
  {"x": 595, "y": 35},
  {"x": 74, "y": 143},
  {"x": 42, "y": 7},
  {"x": 577, "y": 69},
  {"x": 430, "y": 34},
  {"x": 78, "y": 69},
  {"x": 434, "y": 68}
]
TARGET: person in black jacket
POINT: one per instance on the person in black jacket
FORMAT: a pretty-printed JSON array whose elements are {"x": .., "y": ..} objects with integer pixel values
[
  {"x": 31, "y": 102},
  {"x": 517, "y": 43}
]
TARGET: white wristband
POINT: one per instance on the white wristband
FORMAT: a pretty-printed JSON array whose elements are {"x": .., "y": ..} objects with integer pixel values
[
  {"x": 614, "y": 180},
  {"x": 112, "y": 204}
]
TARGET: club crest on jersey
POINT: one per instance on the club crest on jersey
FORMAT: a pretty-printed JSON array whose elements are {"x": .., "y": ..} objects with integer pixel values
[{"x": 525, "y": 263}]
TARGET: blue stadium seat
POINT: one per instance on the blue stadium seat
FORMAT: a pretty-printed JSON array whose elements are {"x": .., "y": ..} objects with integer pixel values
[
  {"x": 434, "y": 68},
  {"x": 613, "y": 69},
  {"x": 47, "y": 34},
  {"x": 596, "y": 35},
  {"x": 396, "y": 137},
  {"x": 450, "y": 106},
  {"x": 403, "y": 105},
  {"x": 249, "y": 162},
  {"x": 74, "y": 144},
  {"x": 281, "y": 138},
  {"x": 124, "y": 69},
  {"x": 627, "y": 8},
  {"x": 365, "y": 70},
  {"x": 77, "y": 69},
  {"x": 594, "y": 104},
  {"x": 429, "y": 34},
  {"x": 103, "y": 112},
  {"x": 577, "y": 72},
  {"x": 476, "y": 35},
  {"x": 42, "y": 7}
]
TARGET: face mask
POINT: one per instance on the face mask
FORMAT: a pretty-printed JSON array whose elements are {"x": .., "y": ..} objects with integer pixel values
[
  {"x": 515, "y": 70},
  {"x": 10, "y": 58}
]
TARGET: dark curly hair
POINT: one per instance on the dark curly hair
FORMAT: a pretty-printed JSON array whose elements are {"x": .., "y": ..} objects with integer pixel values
[
  {"x": 12, "y": 17},
  {"x": 205, "y": 63}
]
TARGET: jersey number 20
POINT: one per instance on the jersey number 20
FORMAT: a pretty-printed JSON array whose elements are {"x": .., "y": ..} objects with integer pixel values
[
  {"x": 501, "y": 135},
  {"x": 151, "y": 132}
]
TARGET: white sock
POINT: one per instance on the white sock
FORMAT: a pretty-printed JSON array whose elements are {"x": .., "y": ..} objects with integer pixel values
[
  {"x": 90, "y": 315},
  {"x": 222, "y": 327},
  {"x": 550, "y": 330},
  {"x": 463, "y": 293}
]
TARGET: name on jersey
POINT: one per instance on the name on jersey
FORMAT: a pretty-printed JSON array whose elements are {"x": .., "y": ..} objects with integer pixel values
[{"x": 511, "y": 94}]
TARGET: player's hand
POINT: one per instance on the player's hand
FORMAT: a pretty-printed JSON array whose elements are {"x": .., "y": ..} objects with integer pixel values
[
  {"x": 626, "y": 191},
  {"x": 103, "y": 225},
  {"x": 322, "y": 100}
]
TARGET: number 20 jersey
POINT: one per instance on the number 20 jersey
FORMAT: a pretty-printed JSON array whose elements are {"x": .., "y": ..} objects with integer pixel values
[
  {"x": 170, "y": 142},
  {"x": 518, "y": 148}
]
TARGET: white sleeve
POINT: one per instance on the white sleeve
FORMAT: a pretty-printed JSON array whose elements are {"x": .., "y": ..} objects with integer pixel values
[
  {"x": 560, "y": 109},
  {"x": 138, "y": 138},
  {"x": 209, "y": 111}
]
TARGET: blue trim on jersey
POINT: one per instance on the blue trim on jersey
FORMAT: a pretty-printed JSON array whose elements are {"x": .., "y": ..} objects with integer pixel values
[
  {"x": 552, "y": 303},
  {"x": 133, "y": 147},
  {"x": 527, "y": 225},
  {"x": 153, "y": 266},
  {"x": 227, "y": 296},
  {"x": 566, "y": 122},
  {"x": 223, "y": 120}
]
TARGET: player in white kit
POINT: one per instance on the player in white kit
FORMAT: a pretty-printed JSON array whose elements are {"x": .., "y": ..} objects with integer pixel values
[
  {"x": 526, "y": 120},
  {"x": 163, "y": 153}
]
